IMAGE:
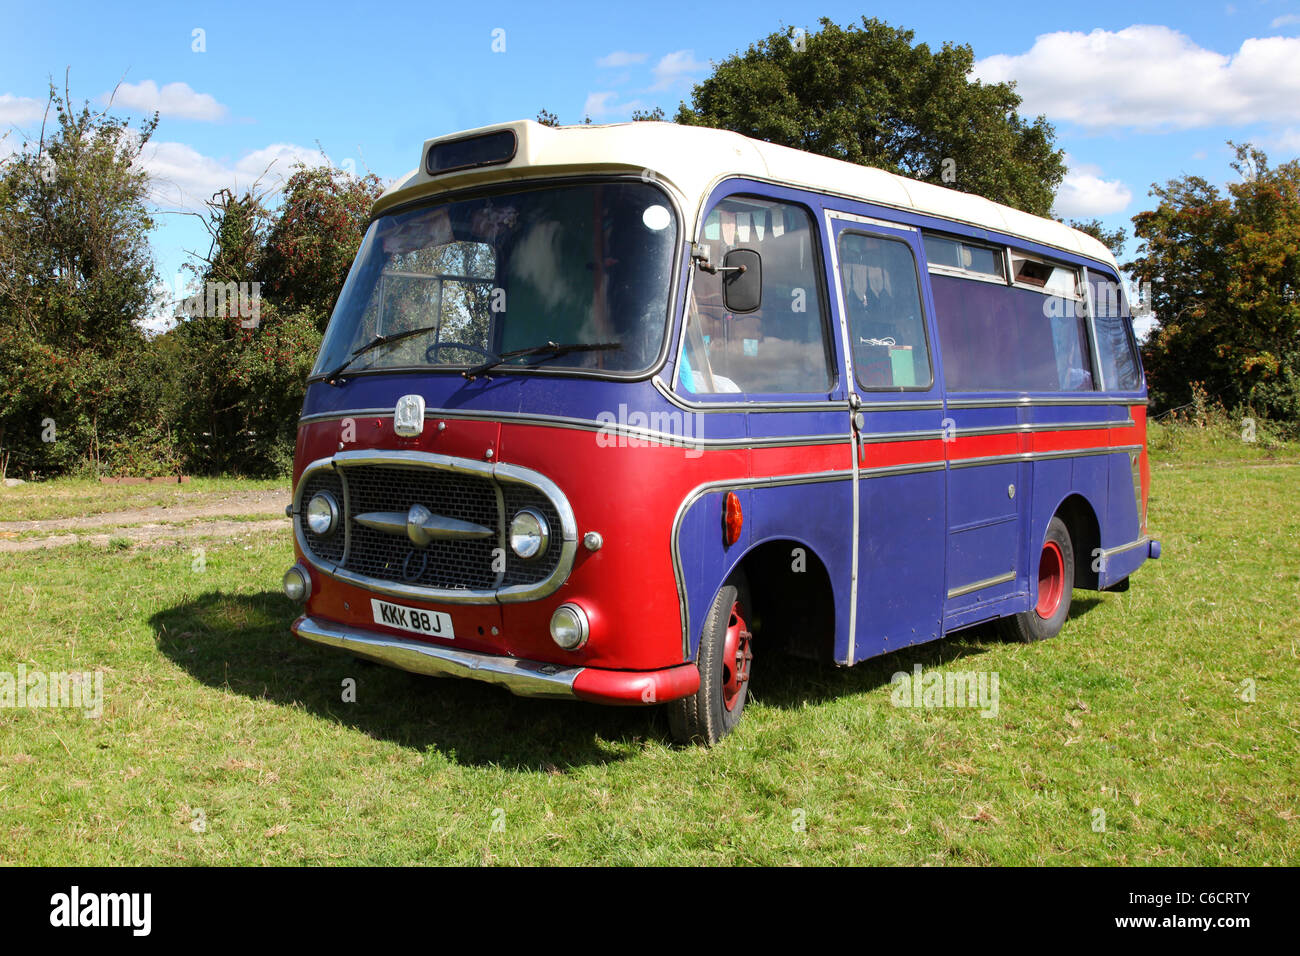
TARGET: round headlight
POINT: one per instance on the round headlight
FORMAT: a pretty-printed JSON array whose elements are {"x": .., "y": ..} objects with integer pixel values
[
  {"x": 529, "y": 534},
  {"x": 322, "y": 513},
  {"x": 570, "y": 627},
  {"x": 297, "y": 584}
]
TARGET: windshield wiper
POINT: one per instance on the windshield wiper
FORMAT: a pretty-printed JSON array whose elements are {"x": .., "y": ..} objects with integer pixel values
[
  {"x": 378, "y": 340},
  {"x": 550, "y": 348}
]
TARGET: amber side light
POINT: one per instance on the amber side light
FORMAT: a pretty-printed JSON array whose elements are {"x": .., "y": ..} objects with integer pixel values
[{"x": 733, "y": 519}]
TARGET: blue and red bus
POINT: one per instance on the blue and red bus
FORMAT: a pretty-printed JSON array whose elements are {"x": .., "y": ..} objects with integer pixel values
[{"x": 614, "y": 412}]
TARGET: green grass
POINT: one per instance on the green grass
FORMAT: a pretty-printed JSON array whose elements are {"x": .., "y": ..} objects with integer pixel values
[
  {"x": 76, "y": 497},
  {"x": 213, "y": 713}
]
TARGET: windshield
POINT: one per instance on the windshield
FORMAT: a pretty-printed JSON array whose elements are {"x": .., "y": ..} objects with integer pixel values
[{"x": 574, "y": 265}]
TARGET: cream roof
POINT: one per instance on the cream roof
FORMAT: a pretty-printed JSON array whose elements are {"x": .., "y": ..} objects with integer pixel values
[{"x": 691, "y": 159}]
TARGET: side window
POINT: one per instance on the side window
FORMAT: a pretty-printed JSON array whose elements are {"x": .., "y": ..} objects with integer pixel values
[
  {"x": 1116, "y": 350},
  {"x": 882, "y": 297},
  {"x": 1028, "y": 337},
  {"x": 782, "y": 346}
]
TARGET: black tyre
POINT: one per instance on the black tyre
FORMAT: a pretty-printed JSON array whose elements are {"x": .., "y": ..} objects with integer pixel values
[
  {"x": 724, "y": 661},
  {"x": 1055, "y": 587}
]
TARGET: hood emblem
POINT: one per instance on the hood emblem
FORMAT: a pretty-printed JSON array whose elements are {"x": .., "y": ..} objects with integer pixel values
[{"x": 408, "y": 416}]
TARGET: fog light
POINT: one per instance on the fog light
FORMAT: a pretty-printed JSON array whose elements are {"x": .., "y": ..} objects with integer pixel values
[
  {"x": 297, "y": 584},
  {"x": 529, "y": 534},
  {"x": 570, "y": 627},
  {"x": 322, "y": 513}
]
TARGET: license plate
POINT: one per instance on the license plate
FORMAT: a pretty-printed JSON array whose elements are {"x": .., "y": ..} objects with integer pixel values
[{"x": 428, "y": 623}]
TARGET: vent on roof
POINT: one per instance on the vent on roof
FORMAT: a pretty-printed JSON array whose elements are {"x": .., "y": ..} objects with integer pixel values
[{"x": 487, "y": 149}]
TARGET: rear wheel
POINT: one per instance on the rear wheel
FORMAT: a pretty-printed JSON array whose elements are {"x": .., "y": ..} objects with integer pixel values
[
  {"x": 724, "y": 661},
  {"x": 1055, "y": 586}
]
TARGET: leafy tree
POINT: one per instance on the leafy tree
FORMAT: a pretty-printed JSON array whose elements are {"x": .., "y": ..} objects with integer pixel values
[
  {"x": 1112, "y": 239},
  {"x": 315, "y": 235},
  {"x": 76, "y": 275},
  {"x": 243, "y": 381},
  {"x": 869, "y": 95},
  {"x": 1225, "y": 276}
]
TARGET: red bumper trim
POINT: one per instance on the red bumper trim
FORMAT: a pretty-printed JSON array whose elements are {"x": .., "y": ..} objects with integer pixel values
[{"x": 636, "y": 688}]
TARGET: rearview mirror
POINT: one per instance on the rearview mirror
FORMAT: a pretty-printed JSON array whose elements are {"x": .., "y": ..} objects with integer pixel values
[{"x": 742, "y": 281}]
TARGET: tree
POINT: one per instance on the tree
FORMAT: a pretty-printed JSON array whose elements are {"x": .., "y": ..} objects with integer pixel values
[
  {"x": 1225, "y": 277},
  {"x": 1112, "y": 239},
  {"x": 76, "y": 275},
  {"x": 315, "y": 236},
  {"x": 868, "y": 95}
]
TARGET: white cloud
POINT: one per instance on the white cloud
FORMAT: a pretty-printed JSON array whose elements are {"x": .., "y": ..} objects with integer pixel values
[
  {"x": 1151, "y": 77},
  {"x": 604, "y": 106},
  {"x": 622, "y": 58},
  {"x": 175, "y": 100},
  {"x": 1084, "y": 194},
  {"x": 19, "y": 109},
  {"x": 1288, "y": 143},
  {"x": 674, "y": 68},
  {"x": 183, "y": 178},
  {"x": 1285, "y": 20}
]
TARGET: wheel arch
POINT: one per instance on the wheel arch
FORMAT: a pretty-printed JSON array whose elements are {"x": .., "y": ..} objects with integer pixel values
[{"x": 1080, "y": 519}]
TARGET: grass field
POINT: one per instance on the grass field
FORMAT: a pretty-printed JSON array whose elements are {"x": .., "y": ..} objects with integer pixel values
[{"x": 1174, "y": 708}]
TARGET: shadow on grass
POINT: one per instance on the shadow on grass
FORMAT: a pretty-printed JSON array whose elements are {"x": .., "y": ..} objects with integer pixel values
[
  {"x": 242, "y": 642},
  {"x": 788, "y": 681}
]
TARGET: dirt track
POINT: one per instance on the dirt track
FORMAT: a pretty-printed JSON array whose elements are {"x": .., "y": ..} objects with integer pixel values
[{"x": 262, "y": 511}]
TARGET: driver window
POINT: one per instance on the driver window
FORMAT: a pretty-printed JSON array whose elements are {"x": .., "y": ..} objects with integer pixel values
[
  {"x": 781, "y": 347},
  {"x": 882, "y": 297}
]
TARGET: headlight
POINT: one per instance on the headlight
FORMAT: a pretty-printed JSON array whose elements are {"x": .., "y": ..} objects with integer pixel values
[
  {"x": 297, "y": 584},
  {"x": 529, "y": 534},
  {"x": 322, "y": 513},
  {"x": 570, "y": 627}
]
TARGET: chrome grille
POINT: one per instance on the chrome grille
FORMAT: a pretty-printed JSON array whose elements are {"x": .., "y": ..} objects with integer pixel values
[
  {"x": 444, "y": 564},
  {"x": 451, "y": 570}
]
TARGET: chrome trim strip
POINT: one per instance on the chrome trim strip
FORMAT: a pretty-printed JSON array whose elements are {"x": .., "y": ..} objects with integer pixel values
[
  {"x": 496, "y": 472},
  {"x": 869, "y": 221},
  {"x": 1027, "y": 428},
  {"x": 774, "y": 441},
  {"x": 812, "y": 405},
  {"x": 1039, "y": 456},
  {"x": 521, "y": 677},
  {"x": 981, "y": 585},
  {"x": 955, "y": 273},
  {"x": 708, "y": 487},
  {"x": 888, "y": 471},
  {"x": 1120, "y": 549},
  {"x": 1026, "y": 401},
  {"x": 855, "y": 409}
]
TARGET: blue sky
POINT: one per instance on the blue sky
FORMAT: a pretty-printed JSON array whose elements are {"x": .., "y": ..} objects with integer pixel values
[{"x": 1139, "y": 92}]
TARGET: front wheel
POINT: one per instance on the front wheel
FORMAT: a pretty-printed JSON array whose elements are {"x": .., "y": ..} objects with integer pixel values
[
  {"x": 1055, "y": 586},
  {"x": 724, "y": 661}
]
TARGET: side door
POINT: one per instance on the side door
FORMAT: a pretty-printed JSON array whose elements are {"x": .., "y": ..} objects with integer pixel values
[{"x": 896, "y": 398}]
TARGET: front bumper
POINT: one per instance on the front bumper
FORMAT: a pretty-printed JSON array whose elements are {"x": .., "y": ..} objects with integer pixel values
[{"x": 520, "y": 677}]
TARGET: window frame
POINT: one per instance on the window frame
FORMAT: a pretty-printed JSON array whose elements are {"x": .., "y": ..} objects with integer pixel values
[
  {"x": 852, "y": 228},
  {"x": 1125, "y": 318},
  {"x": 753, "y": 190},
  {"x": 961, "y": 272}
]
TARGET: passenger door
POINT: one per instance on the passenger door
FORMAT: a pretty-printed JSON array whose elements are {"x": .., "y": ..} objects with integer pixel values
[{"x": 897, "y": 407}]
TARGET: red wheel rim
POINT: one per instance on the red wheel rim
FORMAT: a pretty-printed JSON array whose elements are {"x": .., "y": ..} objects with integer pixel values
[
  {"x": 736, "y": 658},
  {"x": 1051, "y": 579}
]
